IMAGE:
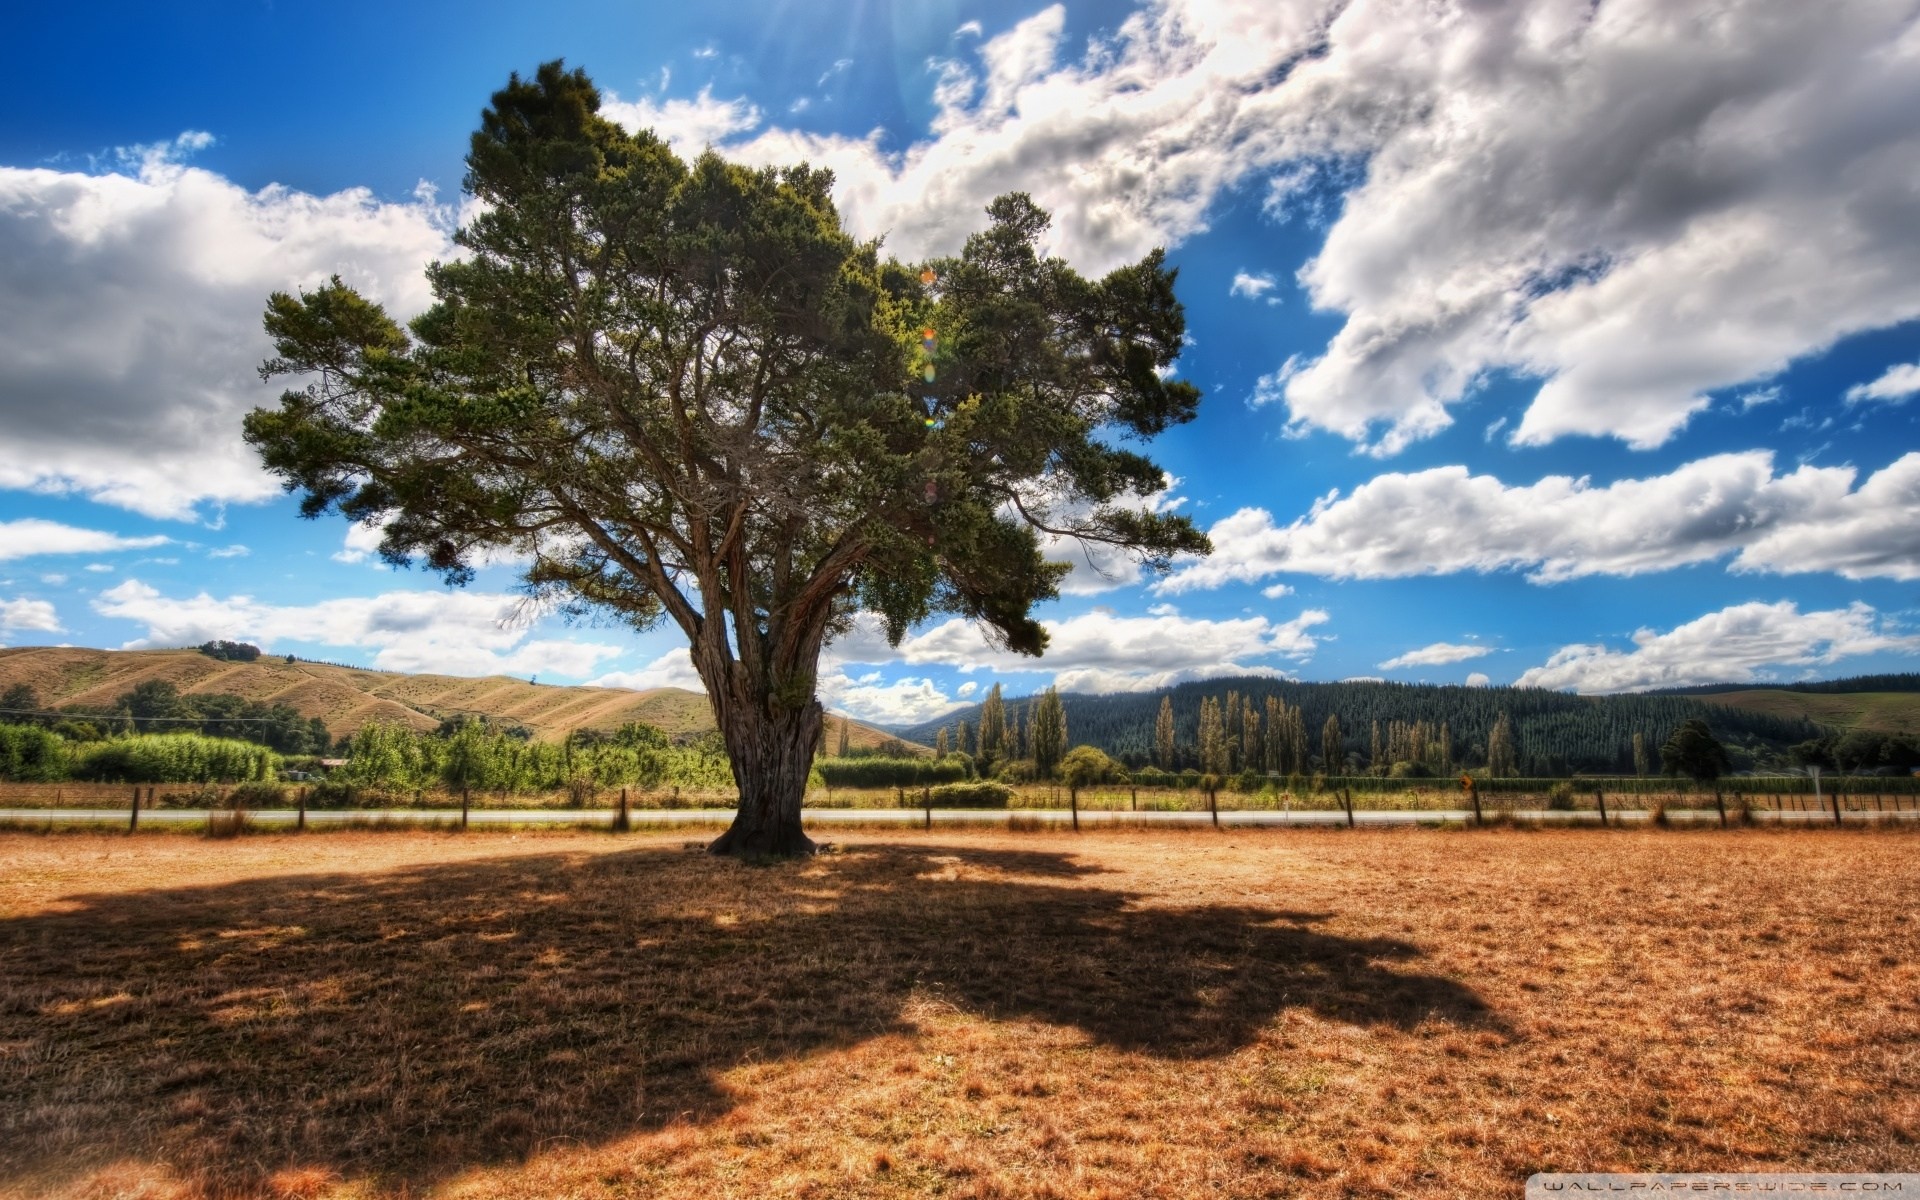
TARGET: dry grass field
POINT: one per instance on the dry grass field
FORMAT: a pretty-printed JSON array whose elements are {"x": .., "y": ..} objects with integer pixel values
[{"x": 1373, "y": 1013}]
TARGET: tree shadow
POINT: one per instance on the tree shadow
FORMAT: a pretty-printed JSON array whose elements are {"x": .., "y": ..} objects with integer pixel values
[{"x": 402, "y": 1026}]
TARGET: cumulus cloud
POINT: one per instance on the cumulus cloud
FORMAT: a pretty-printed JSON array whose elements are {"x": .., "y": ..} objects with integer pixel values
[
  {"x": 688, "y": 126},
  {"x": 361, "y": 544},
  {"x": 1734, "y": 645},
  {"x": 1439, "y": 654},
  {"x": 673, "y": 669},
  {"x": 455, "y": 632},
  {"x": 22, "y": 614},
  {"x": 1253, "y": 287},
  {"x": 1103, "y": 651},
  {"x": 1479, "y": 679},
  {"x": 1447, "y": 520},
  {"x": 234, "y": 551},
  {"x": 1635, "y": 202},
  {"x": 130, "y": 319},
  {"x": 1901, "y": 381},
  {"x": 31, "y": 536},
  {"x": 865, "y": 697}
]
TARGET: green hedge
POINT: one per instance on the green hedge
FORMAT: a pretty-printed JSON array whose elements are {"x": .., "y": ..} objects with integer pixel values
[{"x": 891, "y": 772}]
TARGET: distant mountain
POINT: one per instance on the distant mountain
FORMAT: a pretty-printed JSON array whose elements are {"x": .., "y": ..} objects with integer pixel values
[
  {"x": 1555, "y": 732},
  {"x": 349, "y": 697},
  {"x": 1909, "y": 682}
]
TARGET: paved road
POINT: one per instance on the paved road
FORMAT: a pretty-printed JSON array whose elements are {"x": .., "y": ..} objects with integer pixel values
[{"x": 825, "y": 817}]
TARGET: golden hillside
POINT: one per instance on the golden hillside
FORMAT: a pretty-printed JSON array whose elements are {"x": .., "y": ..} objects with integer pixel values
[{"x": 347, "y": 698}]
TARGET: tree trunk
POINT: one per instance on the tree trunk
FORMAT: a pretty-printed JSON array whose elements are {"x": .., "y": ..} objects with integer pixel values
[{"x": 771, "y": 753}]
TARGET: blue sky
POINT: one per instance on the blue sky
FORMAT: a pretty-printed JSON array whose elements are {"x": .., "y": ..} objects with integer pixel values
[{"x": 1552, "y": 343}]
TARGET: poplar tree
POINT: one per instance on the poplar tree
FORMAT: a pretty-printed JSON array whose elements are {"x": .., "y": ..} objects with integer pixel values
[
  {"x": 940, "y": 745},
  {"x": 1500, "y": 748},
  {"x": 1213, "y": 751},
  {"x": 1333, "y": 754},
  {"x": 845, "y": 738},
  {"x": 1163, "y": 734},
  {"x": 1049, "y": 733},
  {"x": 993, "y": 730},
  {"x": 682, "y": 392}
]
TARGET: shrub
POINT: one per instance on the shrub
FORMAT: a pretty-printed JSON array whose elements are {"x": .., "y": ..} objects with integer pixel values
[
  {"x": 892, "y": 772},
  {"x": 32, "y": 755},
  {"x": 173, "y": 758},
  {"x": 971, "y": 795},
  {"x": 257, "y": 795},
  {"x": 1560, "y": 797}
]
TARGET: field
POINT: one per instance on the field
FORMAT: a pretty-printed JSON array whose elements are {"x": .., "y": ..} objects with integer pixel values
[
  {"x": 1878, "y": 712},
  {"x": 1302, "y": 1014}
]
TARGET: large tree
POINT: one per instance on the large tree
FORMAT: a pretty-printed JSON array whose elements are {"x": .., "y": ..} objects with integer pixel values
[{"x": 683, "y": 392}]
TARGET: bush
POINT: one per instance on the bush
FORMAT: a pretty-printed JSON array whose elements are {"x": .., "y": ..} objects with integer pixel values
[
  {"x": 1560, "y": 797},
  {"x": 1248, "y": 783},
  {"x": 971, "y": 795},
  {"x": 29, "y": 754},
  {"x": 1153, "y": 777},
  {"x": 891, "y": 772},
  {"x": 257, "y": 795}
]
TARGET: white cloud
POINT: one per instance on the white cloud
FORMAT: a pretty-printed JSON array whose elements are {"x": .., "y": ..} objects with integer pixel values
[
  {"x": 1098, "y": 567},
  {"x": 968, "y": 29},
  {"x": 1900, "y": 381},
  {"x": 688, "y": 126},
  {"x": 361, "y": 543},
  {"x": 30, "y": 536},
  {"x": 966, "y": 689},
  {"x": 1277, "y": 590},
  {"x": 130, "y": 319},
  {"x": 1479, "y": 679},
  {"x": 28, "y": 614},
  {"x": 98, "y": 568},
  {"x": 673, "y": 669},
  {"x": 53, "y": 579},
  {"x": 1446, "y": 520},
  {"x": 453, "y": 632},
  {"x": 1733, "y": 645},
  {"x": 1253, "y": 287},
  {"x": 906, "y": 701},
  {"x": 1636, "y": 202},
  {"x": 1102, "y": 651},
  {"x": 1437, "y": 655},
  {"x": 234, "y": 551}
]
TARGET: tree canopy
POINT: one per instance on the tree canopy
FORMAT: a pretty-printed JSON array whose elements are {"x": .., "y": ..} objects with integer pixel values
[
  {"x": 1693, "y": 751},
  {"x": 682, "y": 391}
]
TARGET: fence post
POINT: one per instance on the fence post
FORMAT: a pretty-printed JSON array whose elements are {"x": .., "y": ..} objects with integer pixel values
[
  {"x": 300, "y": 822},
  {"x": 926, "y": 800},
  {"x": 1347, "y": 793},
  {"x": 1133, "y": 804},
  {"x": 1720, "y": 803},
  {"x": 623, "y": 822},
  {"x": 133, "y": 818},
  {"x": 466, "y": 800},
  {"x": 1073, "y": 801},
  {"x": 1213, "y": 806},
  {"x": 1836, "y": 806},
  {"x": 1600, "y": 797}
]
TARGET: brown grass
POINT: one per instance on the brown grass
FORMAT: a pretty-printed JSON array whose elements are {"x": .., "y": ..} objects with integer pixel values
[{"x": 1129, "y": 1014}]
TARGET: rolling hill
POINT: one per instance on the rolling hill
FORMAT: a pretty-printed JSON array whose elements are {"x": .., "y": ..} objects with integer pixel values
[
  {"x": 348, "y": 697},
  {"x": 1876, "y": 712}
]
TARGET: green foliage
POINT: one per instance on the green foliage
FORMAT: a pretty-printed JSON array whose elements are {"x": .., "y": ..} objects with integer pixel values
[
  {"x": 1554, "y": 733},
  {"x": 172, "y": 758},
  {"x": 1087, "y": 766},
  {"x": 388, "y": 758},
  {"x": 892, "y": 772},
  {"x": 1049, "y": 734},
  {"x": 1693, "y": 751},
  {"x": 230, "y": 651},
  {"x": 641, "y": 371},
  {"x": 29, "y": 754},
  {"x": 981, "y": 794}
]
